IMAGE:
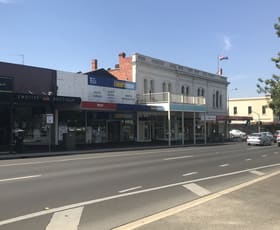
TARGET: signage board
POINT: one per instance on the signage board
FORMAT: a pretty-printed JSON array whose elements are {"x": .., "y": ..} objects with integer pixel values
[
  {"x": 49, "y": 118},
  {"x": 6, "y": 84}
]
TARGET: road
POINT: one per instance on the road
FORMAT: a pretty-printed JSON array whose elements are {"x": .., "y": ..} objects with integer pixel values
[{"x": 103, "y": 191}]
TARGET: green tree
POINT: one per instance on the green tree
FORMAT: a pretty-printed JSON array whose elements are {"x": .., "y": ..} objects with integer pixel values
[{"x": 272, "y": 86}]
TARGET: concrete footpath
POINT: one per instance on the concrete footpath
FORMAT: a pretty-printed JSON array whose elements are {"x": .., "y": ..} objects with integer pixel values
[{"x": 254, "y": 205}]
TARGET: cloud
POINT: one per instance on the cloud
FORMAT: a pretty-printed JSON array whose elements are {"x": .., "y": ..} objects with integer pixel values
[
  {"x": 227, "y": 43},
  {"x": 6, "y": 1}
]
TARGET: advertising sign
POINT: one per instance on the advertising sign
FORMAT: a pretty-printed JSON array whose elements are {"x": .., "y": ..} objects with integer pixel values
[{"x": 109, "y": 90}]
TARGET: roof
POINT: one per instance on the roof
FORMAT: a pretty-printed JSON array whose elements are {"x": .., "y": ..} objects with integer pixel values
[{"x": 102, "y": 73}]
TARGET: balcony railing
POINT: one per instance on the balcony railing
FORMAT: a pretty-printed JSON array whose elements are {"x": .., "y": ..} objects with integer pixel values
[{"x": 166, "y": 97}]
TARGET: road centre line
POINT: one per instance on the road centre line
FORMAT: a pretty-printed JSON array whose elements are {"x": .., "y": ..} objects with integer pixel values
[
  {"x": 76, "y": 205},
  {"x": 248, "y": 159},
  {"x": 130, "y": 189},
  {"x": 176, "y": 158},
  {"x": 190, "y": 173},
  {"x": 68, "y": 219},
  {"x": 224, "y": 165},
  {"x": 19, "y": 178},
  {"x": 195, "y": 188}
]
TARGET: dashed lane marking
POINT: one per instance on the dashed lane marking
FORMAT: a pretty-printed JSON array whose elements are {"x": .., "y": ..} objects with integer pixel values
[
  {"x": 258, "y": 173},
  {"x": 176, "y": 158},
  {"x": 130, "y": 189},
  {"x": 198, "y": 190},
  {"x": 248, "y": 159},
  {"x": 224, "y": 165},
  {"x": 68, "y": 219},
  {"x": 19, "y": 178},
  {"x": 190, "y": 173}
]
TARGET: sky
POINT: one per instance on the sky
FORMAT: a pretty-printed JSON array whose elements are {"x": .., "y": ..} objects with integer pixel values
[{"x": 67, "y": 34}]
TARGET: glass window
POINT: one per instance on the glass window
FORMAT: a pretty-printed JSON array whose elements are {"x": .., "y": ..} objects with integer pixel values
[
  {"x": 264, "y": 109},
  {"x": 152, "y": 86},
  {"x": 217, "y": 99},
  {"x": 145, "y": 86},
  {"x": 198, "y": 92},
  {"x": 182, "y": 90},
  {"x": 169, "y": 87},
  {"x": 163, "y": 87},
  {"x": 187, "y": 91},
  {"x": 234, "y": 110},
  {"x": 214, "y": 96},
  {"x": 249, "y": 109},
  {"x": 221, "y": 100}
]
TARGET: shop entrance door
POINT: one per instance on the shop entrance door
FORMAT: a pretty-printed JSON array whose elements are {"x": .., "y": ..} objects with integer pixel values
[
  {"x": 113, "y": 130},
  {"x": 4, "y": 125},
  {"x": 144, "y": 131}
]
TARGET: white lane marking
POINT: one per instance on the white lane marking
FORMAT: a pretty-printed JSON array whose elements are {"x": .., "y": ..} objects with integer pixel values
[
  {"x": 195, "y": 188},
  {"x": 130, "y": 189},
  {"x": 190, "y": 204},
  {"x": 276, "y": 152},
  {"x": 68, "y": 219},
  {"x": 264, "y": 155},
  {"x": 62, "y": 208},
  {"x": 95, "y": 157},
  {"x": 224, "y": 165},
  {"x": 176, "y": 158},
  {"x": 248, "y": 159},
  {"x": 19, "y": 178},
  {"x": 190, "y": 173},
  {"x": 258, "y": 173}
]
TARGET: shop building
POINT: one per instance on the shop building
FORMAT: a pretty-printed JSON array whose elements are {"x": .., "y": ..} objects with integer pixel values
[
  {"x": 27, "y": 95},
  {"x": 185, "y": 102},
  {"x": 262, "y": 117}
]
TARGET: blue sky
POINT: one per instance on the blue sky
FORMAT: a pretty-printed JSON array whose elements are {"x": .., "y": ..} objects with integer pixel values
[{"x": 67, "y": 34}]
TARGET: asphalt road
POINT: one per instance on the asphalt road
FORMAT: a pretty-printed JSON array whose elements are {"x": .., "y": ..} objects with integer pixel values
[{"x": 102, "y": 191}]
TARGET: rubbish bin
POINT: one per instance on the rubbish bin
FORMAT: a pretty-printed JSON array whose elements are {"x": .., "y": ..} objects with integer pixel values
[{"x": 69, "y": 140}]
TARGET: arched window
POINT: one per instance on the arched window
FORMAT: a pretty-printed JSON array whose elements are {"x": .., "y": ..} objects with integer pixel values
[
  {"x": 198, "y": 92},
  {"x": 183, "y": 90},
  {"x": 152, "y": 87},
  {"x": 202, "y": 92},
  {"x": 221, "y": 100},
  {"x": 214, "y": 96},
  {"x": 145, "y": 86},
  {"x": 169, "y": 87},
  {"x": 217, "y": 99},
  {"x": 187, "y": 90},
  {"x": 164, "y": 87}
]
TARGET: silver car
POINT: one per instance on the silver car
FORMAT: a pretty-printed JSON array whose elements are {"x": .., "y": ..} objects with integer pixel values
[{"x": 259, "y": 139}]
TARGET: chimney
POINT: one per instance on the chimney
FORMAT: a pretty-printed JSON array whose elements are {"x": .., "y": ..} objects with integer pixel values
[{"x": 94, "y": 64}]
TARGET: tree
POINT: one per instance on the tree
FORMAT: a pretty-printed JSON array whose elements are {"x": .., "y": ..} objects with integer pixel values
[{"x": 272, "y": 86}]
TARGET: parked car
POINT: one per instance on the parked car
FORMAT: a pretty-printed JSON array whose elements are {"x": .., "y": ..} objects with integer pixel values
[
  {"x": 259, "y": 139},
  {"x": 269, "y": 134},
  {"x": 278, "y": 139},
  {"x": 277, "y": 132},
  {"x": 237, "y": 133}
]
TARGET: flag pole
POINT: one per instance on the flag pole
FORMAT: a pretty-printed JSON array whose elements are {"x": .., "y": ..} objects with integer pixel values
[{"x": 218, "y": 61}]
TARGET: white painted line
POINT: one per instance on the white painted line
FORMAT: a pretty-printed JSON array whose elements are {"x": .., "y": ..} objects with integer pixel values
[
  {"x": 89, "y": 202},
  {"x": 189, "y": 174},
  {"x": 248, "y": 159},
  {"x": 276, "y": 152},
  {"x": 258, "y": 173},
  {"x": 130, "y": 189},
  {"x": 264, "y": 155},
  {"x": 224, "y": 165},
  {"x": 68, "y": 219},
  {"x": 19, "y": 178},
  {"x": 198, "y": 190},
  {"x": 176, "y": 158},
  {"x": 172, "y": 211}
]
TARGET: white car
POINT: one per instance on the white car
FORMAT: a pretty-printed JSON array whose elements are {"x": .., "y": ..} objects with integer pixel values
[
  {"x": 259, "y": 139},
  {"x": 237, "y": 133}
]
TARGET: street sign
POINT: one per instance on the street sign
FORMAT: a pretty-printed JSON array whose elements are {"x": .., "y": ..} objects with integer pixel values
[{"x": 49, "y": 118}]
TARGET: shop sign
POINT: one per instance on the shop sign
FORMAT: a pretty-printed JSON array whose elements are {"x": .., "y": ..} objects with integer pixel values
[
  {"x": 97, "y": 105},
  {"x": 6, "y": 84},
  {"x": 207, "y": 117},
  {"x": 49, "y": 118}
]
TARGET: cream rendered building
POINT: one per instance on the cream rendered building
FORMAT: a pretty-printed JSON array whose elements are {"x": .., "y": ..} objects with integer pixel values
[{"x": 255, "y": 107}]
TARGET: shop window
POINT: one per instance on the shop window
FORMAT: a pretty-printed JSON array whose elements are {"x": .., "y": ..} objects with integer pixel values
[{"x": 234, "y": 110}]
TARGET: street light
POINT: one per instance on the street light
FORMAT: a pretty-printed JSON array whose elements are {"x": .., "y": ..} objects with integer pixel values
[{"x": 234, "y": 89}]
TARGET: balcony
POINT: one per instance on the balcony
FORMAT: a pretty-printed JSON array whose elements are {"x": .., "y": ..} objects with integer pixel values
[{"x": 166, "y": 97}]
